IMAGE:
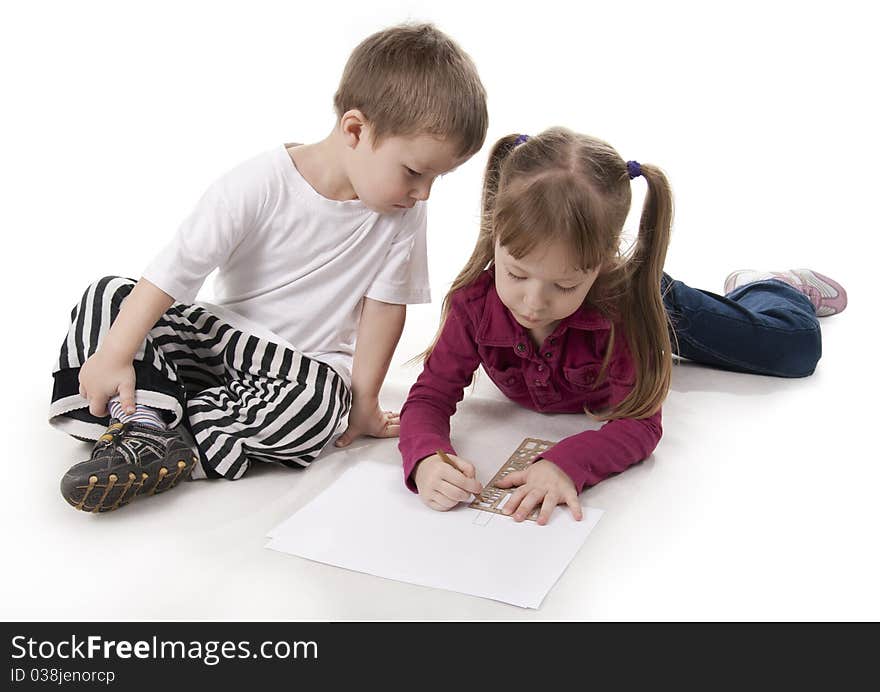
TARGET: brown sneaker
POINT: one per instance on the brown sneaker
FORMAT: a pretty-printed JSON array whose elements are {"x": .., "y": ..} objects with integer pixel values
[{"x": 129, "y": 460}]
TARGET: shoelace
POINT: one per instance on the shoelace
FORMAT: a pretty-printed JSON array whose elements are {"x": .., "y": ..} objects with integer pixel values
[
  {"x": 130, "y": 445},
  {"x": 115, "y": 431}
]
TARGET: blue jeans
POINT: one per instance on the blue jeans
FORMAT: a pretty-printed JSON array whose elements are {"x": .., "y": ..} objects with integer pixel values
[{"x": 764, "y": 328}]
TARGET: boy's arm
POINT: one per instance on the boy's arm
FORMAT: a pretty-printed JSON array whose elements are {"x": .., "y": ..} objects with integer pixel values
[
  {"x": 109, "y": 370},
  {"x": 379, "y": 331},
  {"x": 138, "y": 315}
]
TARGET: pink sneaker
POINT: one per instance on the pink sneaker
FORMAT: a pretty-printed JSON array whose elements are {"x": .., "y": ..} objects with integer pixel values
[{"x": 827, "y": 296}]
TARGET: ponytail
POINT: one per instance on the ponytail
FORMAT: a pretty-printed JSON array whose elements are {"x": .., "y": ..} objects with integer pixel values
[{"x": 642, "y": 311}]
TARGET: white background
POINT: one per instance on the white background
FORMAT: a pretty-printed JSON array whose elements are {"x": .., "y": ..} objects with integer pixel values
[{"x": 760, "y": 502}]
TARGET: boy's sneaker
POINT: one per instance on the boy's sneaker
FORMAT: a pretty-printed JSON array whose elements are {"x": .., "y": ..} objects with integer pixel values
[
  {"x": 129, "y": 460},
  {"x": 827, "y": 296}
]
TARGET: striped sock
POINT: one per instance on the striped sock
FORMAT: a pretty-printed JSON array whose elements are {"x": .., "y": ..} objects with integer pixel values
[{"x": 142, "y": 414}]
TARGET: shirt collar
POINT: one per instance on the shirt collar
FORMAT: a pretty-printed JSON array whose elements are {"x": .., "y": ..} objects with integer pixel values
[{"x": 498, "y": 327}]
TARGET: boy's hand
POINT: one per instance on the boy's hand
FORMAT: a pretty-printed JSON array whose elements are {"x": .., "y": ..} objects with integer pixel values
[
  {"x": 110, "y": 371},
  {"x": 102, "y": 377},
  {"x": 366, "y": 418},
  {"x": 541, "y": 483},
  {"x": 442, "y": 487}
]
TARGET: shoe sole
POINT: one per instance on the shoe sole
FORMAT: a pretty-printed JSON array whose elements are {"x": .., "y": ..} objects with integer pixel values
[
  {"x": 105, "y": 491},
  {"x": 833, "y": 297}
]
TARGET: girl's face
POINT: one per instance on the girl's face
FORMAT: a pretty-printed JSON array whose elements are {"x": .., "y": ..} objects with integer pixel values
[{"x": 541, "y": 288}]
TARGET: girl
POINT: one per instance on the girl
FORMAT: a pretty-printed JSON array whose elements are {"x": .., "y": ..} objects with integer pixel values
[{"x": 562, "y": 322}]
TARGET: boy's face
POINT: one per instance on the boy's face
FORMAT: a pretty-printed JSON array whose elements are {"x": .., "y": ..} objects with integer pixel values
[
  {"x": 400, "y": 171},
  {"x": 541, "y": 288}
]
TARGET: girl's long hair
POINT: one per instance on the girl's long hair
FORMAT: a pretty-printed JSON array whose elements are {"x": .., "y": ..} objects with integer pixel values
[{"x": 569, "y": 187}]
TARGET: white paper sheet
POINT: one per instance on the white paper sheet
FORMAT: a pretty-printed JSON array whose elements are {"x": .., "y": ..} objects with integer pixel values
[{"x": 369, "y": 522}]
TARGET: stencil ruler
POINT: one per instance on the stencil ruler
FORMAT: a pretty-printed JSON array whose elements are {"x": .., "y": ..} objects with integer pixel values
[{"x": 493, "y": 498}]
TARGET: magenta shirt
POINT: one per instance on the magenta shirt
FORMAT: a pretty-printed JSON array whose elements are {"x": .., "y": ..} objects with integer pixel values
[{"x": 558, "y": 377}]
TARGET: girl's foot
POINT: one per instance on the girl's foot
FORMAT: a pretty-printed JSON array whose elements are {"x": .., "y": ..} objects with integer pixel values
[{"x": 827, "y": 296}]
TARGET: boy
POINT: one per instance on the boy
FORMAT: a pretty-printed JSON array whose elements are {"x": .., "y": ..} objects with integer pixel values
[{"x": 319, "y": 249}]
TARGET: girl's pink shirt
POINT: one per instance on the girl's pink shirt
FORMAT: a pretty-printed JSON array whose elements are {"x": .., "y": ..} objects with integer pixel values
[{"x": 558, "y": 377}]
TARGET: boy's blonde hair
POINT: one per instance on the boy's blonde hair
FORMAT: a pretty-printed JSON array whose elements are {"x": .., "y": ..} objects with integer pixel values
[
  {"x": 564, "y": 186},
  {"x": 412, "y": 79}
]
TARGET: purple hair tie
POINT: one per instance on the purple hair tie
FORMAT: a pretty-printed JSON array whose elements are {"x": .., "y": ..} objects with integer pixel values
[
  {"x": 520, "y": 140},
  {"x": 634, "y": 168}
]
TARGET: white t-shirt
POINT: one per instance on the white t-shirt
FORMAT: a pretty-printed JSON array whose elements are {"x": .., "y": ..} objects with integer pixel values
[{"x": 294, "y": 266}]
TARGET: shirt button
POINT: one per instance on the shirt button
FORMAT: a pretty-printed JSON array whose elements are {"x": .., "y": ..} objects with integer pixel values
[
  {"x": 553, "y": 340},
  {"x": 540, "y": 368},
  {"x": 520, "y": 348},
  {"x": 511, "y": 380},
  {"x": 548, "y": 355}
]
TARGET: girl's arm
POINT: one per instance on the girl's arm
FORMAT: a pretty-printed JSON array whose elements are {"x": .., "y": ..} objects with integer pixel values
[
  {"x": 432, "y": 400},
  {"x": 584, "y": 459},
  {"x": 594, "y": 455},
  {"x": 581, "y": 460},
  {"x": 578, "y": 461}
]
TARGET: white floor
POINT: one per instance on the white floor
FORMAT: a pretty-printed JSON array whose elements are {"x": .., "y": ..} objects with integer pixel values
[{"x": 760, "y": 503}]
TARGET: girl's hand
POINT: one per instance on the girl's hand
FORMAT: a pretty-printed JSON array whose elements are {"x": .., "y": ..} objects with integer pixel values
[
  {"x": 102, "y": 377},
  {"x": 367, "y": 418},
  {"x": 541, "y": 483},
  {"x": 442, "y": 487}
]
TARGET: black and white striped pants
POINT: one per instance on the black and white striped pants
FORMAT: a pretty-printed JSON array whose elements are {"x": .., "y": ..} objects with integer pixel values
[{"x": 243, "y": 398}]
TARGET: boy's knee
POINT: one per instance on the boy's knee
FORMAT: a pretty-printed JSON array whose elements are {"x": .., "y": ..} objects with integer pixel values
[
  {"x": 104, "y": 280},
  {"x": 100, "y": 286},
  {"x": 107, "y": 292}
]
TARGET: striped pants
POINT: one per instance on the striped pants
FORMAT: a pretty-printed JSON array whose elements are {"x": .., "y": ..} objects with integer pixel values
[{"x": 242, "y": 397}]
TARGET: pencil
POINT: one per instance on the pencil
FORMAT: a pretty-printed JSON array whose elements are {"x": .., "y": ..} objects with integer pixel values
[{"x": 442, "y": 455}]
